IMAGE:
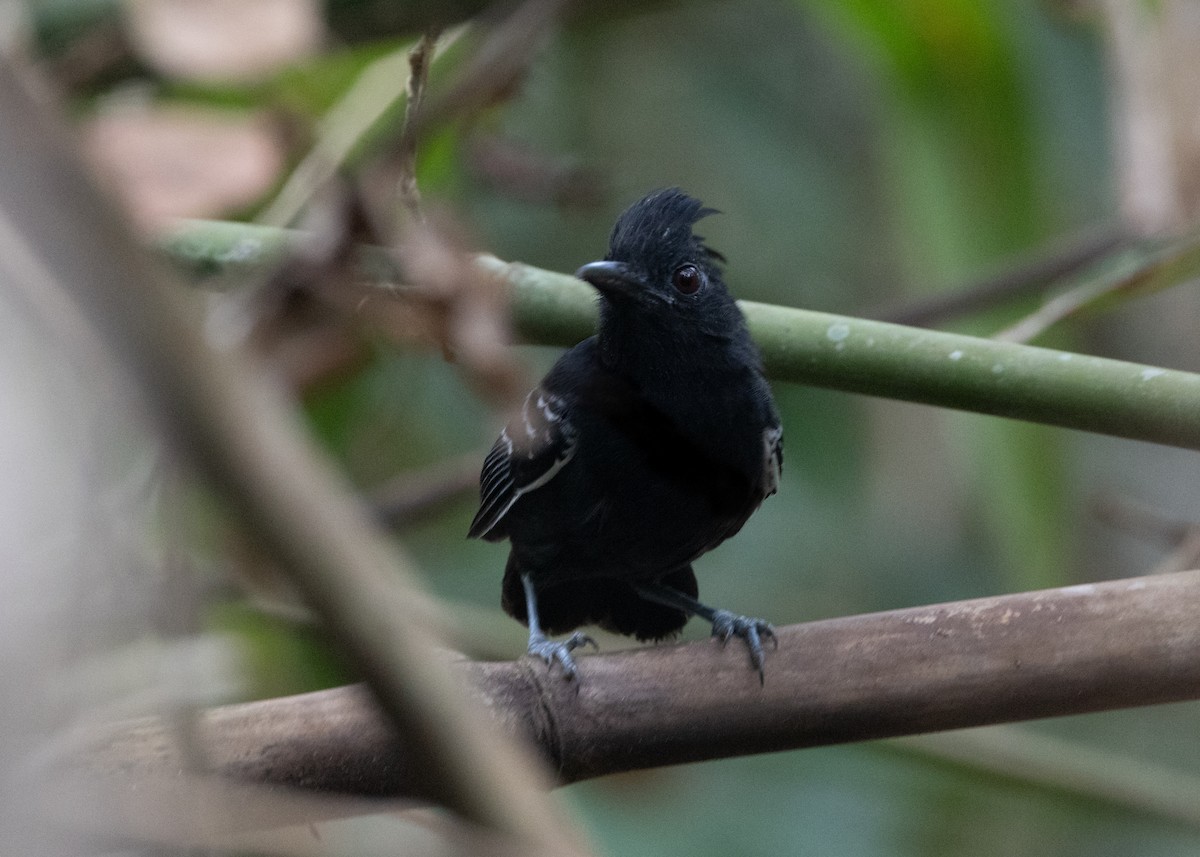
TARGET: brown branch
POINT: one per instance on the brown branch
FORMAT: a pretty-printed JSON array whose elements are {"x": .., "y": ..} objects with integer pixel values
[
  {"x": 1017, "y": 657},
  {"x": 495, "y": 71},
  {"x": 1031, "y": 277},
  {"x": 1148, "y": 523},
  {"x": 413, "y": 496},
  {"x": 1141, "y": 520}
]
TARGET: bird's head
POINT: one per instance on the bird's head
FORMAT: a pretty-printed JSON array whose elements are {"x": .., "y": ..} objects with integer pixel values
[{"x": 657, "y": 268}]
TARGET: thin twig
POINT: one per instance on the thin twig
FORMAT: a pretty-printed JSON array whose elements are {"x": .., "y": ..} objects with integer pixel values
[
  {"x": 524, "y": 172},
  {"x": 410, "y": 497},
  {"x": 925, "y": 669},
  {"x": 419, "y": 59},
  {"x": 1185, "y": 555},
  {"x": 340, "y": 131},
  {"x": 1031, "y": 277},
  {"x": 1141, "y": 520},
  {"x": 1142, "y": 274},
  {"x": 496, "y": 68}
]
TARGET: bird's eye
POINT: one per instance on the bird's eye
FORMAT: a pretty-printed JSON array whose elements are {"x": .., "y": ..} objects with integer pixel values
[{"x": 687, "y": 279}]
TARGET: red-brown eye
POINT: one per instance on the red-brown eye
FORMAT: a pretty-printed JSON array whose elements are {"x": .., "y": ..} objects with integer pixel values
[{"x": 687, "y": 279}]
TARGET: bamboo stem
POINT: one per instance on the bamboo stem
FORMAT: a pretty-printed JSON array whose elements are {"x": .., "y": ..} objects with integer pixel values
[
  {"x": 925, "y": 669},
  {"x": 949, "y": 370}
]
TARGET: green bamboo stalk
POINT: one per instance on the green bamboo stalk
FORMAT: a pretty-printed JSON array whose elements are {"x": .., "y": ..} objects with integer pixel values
[{"x": 856, "y": 355}]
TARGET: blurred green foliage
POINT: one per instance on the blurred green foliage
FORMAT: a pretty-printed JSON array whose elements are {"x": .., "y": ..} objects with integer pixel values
[
  {"x": 281, "y": 657},
  {"x": 862, "y": 152}
]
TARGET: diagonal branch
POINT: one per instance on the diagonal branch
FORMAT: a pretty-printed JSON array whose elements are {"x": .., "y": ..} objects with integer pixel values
[
  {"x": 228, "y": 420},
  {"x": 1029, "y": 278},
  {"x": 1139, "y": 271},
  {"x": 1016, "y": 657}
]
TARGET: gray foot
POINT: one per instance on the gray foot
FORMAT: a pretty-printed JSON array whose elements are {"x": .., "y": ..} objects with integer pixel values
[
  {"x": 551, "y": 650},
  {"x": 726, "y": 624}
]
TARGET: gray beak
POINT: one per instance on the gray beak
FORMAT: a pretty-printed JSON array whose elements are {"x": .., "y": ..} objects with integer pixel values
[{"x": 610, "y": 278}]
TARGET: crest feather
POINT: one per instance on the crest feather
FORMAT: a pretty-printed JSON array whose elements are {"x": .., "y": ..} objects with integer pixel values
[{"x": 660, "y": 224}]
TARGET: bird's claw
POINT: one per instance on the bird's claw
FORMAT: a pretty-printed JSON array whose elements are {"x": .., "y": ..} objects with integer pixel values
[
  {"x": 553, "y": 650},
  {"x": 727, "y": 624}
]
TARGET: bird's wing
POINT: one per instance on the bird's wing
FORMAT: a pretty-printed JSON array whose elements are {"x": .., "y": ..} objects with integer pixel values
[
  {"x": 772, "y": 458},
  {"x": 531, "y": 449}
]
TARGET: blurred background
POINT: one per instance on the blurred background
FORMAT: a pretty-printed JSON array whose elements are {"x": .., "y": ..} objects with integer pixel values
[{"x": 866, "y": 157}]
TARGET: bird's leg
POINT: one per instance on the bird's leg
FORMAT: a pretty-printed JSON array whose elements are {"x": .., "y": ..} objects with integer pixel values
[
  {"x": 725, "y": 624},
  {"x": 549, "y": 650}
]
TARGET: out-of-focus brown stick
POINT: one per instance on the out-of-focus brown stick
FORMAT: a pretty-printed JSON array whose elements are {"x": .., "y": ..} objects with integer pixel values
[
  {"x": 1031, "y": 277},
  {"x": 227, "y": 419},
  {"x": 414, "y": 495},
  {"x": 1016, "y": 657}
]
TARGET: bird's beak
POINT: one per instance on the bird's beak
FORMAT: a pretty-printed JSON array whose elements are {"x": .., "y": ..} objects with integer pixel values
[{"x": 610, "y": 278}]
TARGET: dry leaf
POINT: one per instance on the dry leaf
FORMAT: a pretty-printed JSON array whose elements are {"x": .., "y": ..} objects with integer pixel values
[{"x": 172, "y": 162}]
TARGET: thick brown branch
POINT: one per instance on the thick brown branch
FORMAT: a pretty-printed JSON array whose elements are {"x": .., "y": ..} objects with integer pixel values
[{"x": 1015, "y": 657}]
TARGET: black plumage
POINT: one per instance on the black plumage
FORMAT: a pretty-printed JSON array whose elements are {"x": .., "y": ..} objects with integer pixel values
[{"x": 644, "y": 447}]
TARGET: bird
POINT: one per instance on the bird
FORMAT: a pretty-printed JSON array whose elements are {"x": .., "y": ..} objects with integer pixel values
[{"x": 645, "y": 446}]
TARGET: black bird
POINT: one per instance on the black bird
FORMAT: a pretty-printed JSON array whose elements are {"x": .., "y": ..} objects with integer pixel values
[{"x": 645, "y": 446}]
